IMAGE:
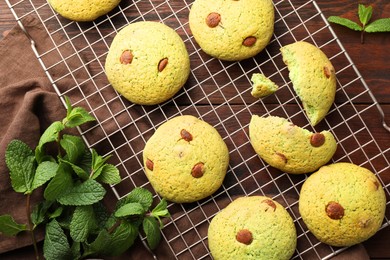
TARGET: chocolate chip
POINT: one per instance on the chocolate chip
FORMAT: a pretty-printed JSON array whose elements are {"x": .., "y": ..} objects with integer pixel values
[
  {"x": 126, "y": 57},
  {"x": 249, "y": 41},
  {"x": 317, "y": 139},
  {"x": 244, "y": 236},
  {"x": 198, "y": 170},
  {"x": 334, "y": 210},
  {"x": 213, "y": 19},
  {"x": 186, "y": 135},
  {"x": 269, "y": 203},
  {"x": 149, "y": 164},
  {"x": 162, "y": 64}
]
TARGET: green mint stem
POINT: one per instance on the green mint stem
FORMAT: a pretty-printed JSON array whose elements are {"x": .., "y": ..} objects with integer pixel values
[
  {"x": 112, "y": 229},
  {"x": 30, "y": 227}
]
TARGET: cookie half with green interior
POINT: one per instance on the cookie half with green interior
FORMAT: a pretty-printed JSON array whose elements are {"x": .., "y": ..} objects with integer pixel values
[
  {"x": 232, "y": 30},
  {"x": 262, "y": 86},
  {"x": 147, "y": 63},
  {"x": 288, "y": 147},
  {"x": 313, "y": 77},
  {"x": 185, "y": 159},
  {"x": 342, "y": 204},
  {"x": 253, "y": 227},
  {"x": 83, "y": 10}
]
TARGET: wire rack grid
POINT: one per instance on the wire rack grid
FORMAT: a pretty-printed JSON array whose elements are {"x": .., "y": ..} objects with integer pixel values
[{"x": 217, "y": 92}]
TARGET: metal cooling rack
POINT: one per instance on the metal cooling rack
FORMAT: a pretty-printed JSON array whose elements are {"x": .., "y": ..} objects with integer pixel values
[{"x": 217, "y": 92}]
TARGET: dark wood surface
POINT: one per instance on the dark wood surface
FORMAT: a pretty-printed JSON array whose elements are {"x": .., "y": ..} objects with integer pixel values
[{"x": 372, "y": 59}]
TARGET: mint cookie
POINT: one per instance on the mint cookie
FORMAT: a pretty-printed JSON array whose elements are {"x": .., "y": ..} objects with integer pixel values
[
  {"x": 83, "y": 10},
  {"x": 342, "y": 204},
  {"x": 262, "y": 86},
  {"x": 186, "y": 159},
  {"x": 254, "y": 227},
  {"x": 232, "y": 30},
  {"x": 147, "y": 63},
  {"x": 313, "y": 78},
  {"x": 290, "y": 148}
]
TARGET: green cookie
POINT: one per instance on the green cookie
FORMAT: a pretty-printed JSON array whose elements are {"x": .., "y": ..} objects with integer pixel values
[
  {"x": 313, "y": 77},
  {"x": 254, "y": 227},
  {"x": 288, "y": 147},
  {"x": 83, "y": 10},
  {"x": 147, "y": 63},
  {"x": 262, "y": 86},
  {"x": 232, "y": 30},
  {"x": 342, "y": 204},
  {"x": 185, "y": 159}
]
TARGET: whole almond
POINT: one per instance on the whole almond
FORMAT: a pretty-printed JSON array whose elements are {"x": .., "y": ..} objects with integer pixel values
[
  {"x": 149, "y": 164},
  {"x": 244, "y": 236},
  {"x": 213, "y": 19},
  {"x": 317, "y": 139},
  {"x": 282, "y": 156},
  {"x": 249, "y": 41},
  {"x": 162, "y": 64},
  {"x": 198, "y": 170},
  {"x": 270, "y": 203},
  {"x": 126, "y": 57},
  {"x": 186, "y": 135},
  {"x": 334, "y": 210}
]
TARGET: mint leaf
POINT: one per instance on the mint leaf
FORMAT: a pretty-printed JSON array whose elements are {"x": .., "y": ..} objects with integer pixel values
[
  {"x": 152, "y": 231},
  {"x": 82, "y": 223},
  {"x": 139, "y": 195},
  {"x": 51, "y": 134},
  {"x": 78, "y": 170},
  {"x": 60, "y": 183},
  {"x": 55, "y": 245},
  {"x": 45, "y": 171},
  {"x": 38, "y": 215},
  {"x": 365, "y": 14},
  {"x": 9, "y": 227},
  {"x": 75, "y": 250},
  {"x": 56, "y": 213},
  {"x": 380, "y": 25},
  {"x": 85, "y": 193},
  {"x": 109, "y": 174},
  {"x": 77, "y": 116},
  {"x": 122, "y": 238},
  {"x": 73, "y": 146},
  {"x": 20, "y": 161},
  {"x": 101, "y": 214},
  {"x": 101, "y": 245},
  {"x": 161, "y": 211},
  {"x": 129, "y": 209},
  {"x": 345, "y": 22},
  {"x": 97, "y": 160}
]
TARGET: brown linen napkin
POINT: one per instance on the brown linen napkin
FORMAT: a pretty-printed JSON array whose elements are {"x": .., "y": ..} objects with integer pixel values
[{"x": 28, "y": 104}]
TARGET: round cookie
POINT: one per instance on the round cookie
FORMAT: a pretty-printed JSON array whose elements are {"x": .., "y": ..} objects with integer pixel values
[
  {"x": 83, "y": 10},
  {"x": 313, "y": 77},
  {"x": 342, "y": 204},
  {"x": 232, "y": 30},
  {"x": 186, "y": 159},
  {"x": 254, "y": 227},
  {"x": 147, "y": 63},
  {"x": 288, "y": 147}
]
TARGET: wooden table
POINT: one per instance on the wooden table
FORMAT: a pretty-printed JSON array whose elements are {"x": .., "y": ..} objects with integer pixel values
[{"x": 371, "y": 59}]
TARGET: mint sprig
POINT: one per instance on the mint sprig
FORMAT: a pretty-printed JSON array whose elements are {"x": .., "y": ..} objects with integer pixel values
[
  {"x": 77, "y": 224},
  {"x": 365, "y": 14}
]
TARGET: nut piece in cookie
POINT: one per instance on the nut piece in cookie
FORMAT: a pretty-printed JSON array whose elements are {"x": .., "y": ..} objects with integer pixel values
[
  {"x": 253, "y": 227},
  {"x": 288, "y": 147},
  {"x": 262, "y": 86},
  {"x": 313, "y": 77},
  {"x": 186, "y": 159},
  {"x": 342, "y": 204}
]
